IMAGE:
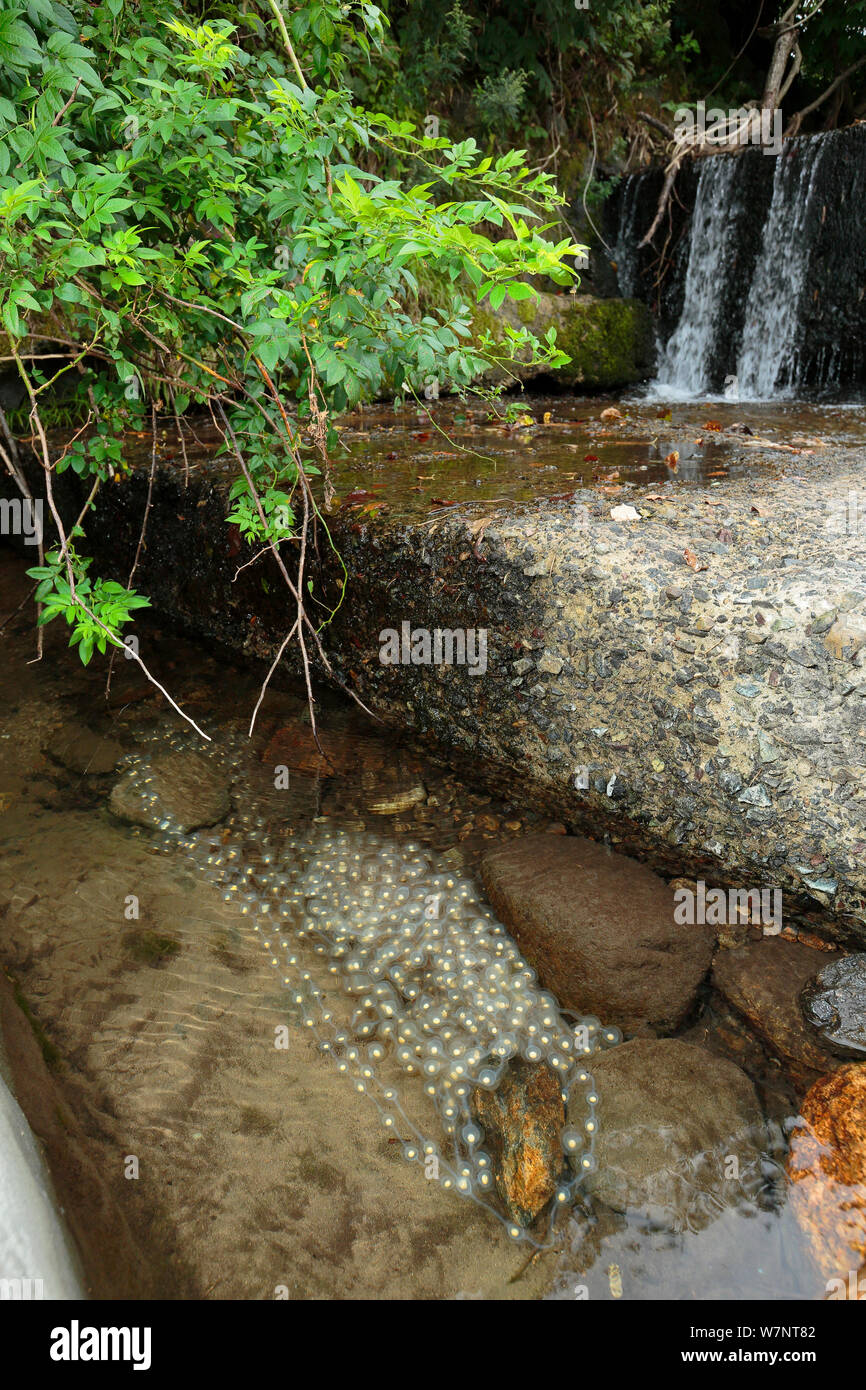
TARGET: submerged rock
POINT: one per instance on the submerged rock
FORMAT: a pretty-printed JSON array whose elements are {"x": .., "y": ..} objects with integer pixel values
[
  {"x": 827, "y": 1171},
  {"x": 835, "y": 1004},
  {"x": 763, "y": 982},
  {"x": 680, "y": 1132},
  {"x": 84, "y": 751},
  {"x": 599, "y": 929},
  {"x": 522, "y": 1122},
  {"x": 332, "y": 750},
  {"x": 392, "y": 797},
  {"x": 181, "y": 788}
]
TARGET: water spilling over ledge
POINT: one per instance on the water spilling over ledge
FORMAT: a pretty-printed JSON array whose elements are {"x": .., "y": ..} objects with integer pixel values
[{"x": 758, "y": 277}]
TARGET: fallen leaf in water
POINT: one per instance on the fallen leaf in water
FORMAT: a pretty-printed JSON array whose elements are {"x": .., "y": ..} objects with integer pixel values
[
  {"x": 611, "y": 413},
  {"x": 420, "y": 434},
  {"x": 612, "y": 477},
  {"x": 441, "y": 502},
  {"x": 609, "y": 491},
  {"x": 719, "y": 473},
  {"x": 590, "y": 458},
  {"x": 712, "y": 425},
  {"x": 693, "y": 562},
  {"x": 673, "y": 460},
  {"x": 546, "y": 417}
]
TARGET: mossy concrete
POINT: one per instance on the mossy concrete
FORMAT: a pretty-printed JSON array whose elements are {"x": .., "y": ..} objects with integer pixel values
[{"x": 610, "y": 341}]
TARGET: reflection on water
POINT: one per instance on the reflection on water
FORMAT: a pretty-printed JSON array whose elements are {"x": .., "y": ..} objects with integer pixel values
[{"x": 422, "y": 460}]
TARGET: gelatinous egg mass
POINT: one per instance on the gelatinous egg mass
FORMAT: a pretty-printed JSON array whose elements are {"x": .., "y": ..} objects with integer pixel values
[{"x": 400, "y": 972}]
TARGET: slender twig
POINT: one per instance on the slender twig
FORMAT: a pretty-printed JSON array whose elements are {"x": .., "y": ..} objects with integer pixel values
[
  {"x": 70, "y": 573},
  {"x": 141, "y": 534},
  {"x": 277, "y": 12}
]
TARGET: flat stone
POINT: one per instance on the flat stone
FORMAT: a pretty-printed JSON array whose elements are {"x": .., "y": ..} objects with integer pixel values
[
  {"x": 392, "y": 797},
  {"x": 82, "y": 750},
  {"x": 763, "y": 982},
  {"x": 834, "y": 1003},
  {"x": 671, "y": 1118},
  {"x": 599, "y": 930},
  {"x": 184, "y": 788},
  {"x": 827, "y": 1171},
  {"x": 522, "y": 1123}
]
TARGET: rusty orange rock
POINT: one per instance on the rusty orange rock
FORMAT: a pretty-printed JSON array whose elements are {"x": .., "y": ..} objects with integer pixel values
[
  {"x": 522, "y": 1122},
  {"x": 827, "y": 1172}
]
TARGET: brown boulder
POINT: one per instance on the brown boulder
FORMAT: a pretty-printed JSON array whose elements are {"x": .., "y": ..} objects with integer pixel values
[
  {"x": 827, "y": 1172},
  {"x": 599, "y": 929},
  {"x": 672, "y": 1117},
  {"x": 340, "y": 749},
  {"x": 763, "y": 982},
  {"x": 184, "y": 788},
  {"x": 84, "y": 750}
]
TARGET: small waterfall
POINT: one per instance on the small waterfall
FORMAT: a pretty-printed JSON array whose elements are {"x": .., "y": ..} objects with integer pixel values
[
  {"x": 684, "y": 367},
  {"x": 767, "y": 364},
  {"x": 759, "y": 290},
  {"x": 627, "y": 239}
]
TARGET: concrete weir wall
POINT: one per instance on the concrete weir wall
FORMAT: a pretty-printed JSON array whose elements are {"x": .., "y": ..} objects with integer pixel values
[{"x": 690, "y": 682}]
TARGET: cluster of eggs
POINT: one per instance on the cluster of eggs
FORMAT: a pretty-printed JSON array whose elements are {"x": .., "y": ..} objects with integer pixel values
[{"x": 393, "y": 960}]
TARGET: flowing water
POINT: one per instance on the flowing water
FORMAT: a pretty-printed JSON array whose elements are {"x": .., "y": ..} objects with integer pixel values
[
  {"x": 684, "y": 368},
  {"x": 763, "y": 278},
  {"x": 767, "y": 364}
]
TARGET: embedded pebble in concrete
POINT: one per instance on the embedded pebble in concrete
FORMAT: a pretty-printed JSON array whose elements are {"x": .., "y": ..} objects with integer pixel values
[{"x": 397, "y": 966}]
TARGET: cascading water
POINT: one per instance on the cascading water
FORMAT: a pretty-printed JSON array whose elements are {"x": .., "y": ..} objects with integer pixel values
[
  {"x": 760, "y": 291},
  {"x": 767, "y": 363},
  {"x": 628, "y": 237},
  {"x": 684, "y": 366}
]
